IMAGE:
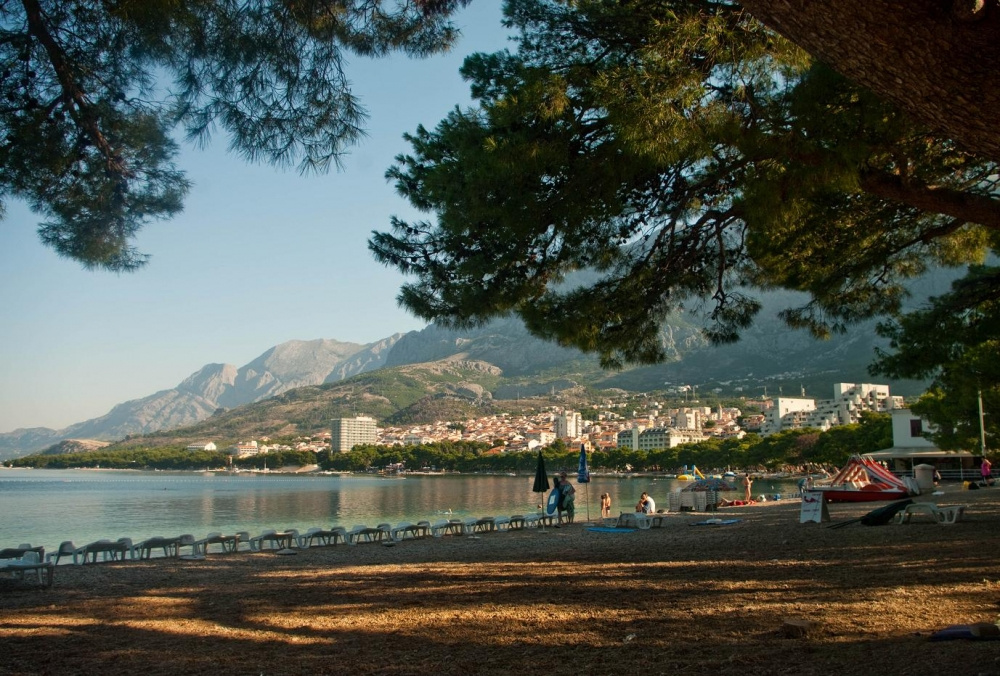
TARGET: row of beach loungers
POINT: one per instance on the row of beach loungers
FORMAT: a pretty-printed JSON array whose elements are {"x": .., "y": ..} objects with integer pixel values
[{"x": 34, "y": 559}]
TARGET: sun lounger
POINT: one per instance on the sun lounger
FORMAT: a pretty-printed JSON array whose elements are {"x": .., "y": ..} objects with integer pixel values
[
  {"x": 272, "y": 539},
  {"x": 943, "y": 514},
  {"x": 66, "y": 548},
  {"x": 410, "y": 530},
  {"x": 108, "y": 551},
  {"x": 24, "y": 559},
  {"x": 362, "y": 533},
  {"x": 144, "y": 549},
  {"x": 446, "y": 527},
  {"x": 226, "y": 543},
  {"x": 322, "y": 536},
  {"x": 531, "y": 520}
]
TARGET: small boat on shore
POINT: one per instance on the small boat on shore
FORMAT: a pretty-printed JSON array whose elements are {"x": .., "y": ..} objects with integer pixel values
[{"x": 864, "y": 480}]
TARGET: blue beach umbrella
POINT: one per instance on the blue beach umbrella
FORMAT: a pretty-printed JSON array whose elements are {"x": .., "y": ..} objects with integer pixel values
[{"x": 583, "y": 475}]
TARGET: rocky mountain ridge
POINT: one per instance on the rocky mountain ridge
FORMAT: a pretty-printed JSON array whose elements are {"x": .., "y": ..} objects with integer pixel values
[{"x": 769, "y": 355}]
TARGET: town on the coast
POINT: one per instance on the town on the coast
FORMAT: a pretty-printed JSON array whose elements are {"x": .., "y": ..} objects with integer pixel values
[{"x": 649, "y": 426}]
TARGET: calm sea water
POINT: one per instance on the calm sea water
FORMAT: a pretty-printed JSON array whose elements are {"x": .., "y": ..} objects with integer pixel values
[{"x": 46, "y": 507}]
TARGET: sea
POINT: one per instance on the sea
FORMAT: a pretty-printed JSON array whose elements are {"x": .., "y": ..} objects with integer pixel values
[{"x": 47, "y": 507}]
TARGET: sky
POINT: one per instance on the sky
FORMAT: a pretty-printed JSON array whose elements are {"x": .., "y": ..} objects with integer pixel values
[{"x": 258, "y": 257}]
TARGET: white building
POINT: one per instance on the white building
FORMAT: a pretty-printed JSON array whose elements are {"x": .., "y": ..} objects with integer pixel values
[
  {"x": 911, "y": 448},
  {"x": 346, "y": 433},
  {"x": 845, "y": 408},
  {"x": 210, "y": 446},
  {"x": 569, "y": 425}
]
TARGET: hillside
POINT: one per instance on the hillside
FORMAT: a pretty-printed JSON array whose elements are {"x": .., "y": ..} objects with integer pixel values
[{"x": 450, "y": 388}]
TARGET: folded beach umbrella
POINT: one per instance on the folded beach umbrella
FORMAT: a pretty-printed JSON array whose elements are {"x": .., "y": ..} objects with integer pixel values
[
  {"x": 541, "y": 484},
  {"x": 541, "y": 478},
  {"x": 583, "y": 475}
]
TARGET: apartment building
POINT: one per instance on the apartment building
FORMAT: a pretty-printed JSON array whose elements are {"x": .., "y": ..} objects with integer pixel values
[
  {"x": 849, "y": 401},
  {"x": 346, "y": 433}
]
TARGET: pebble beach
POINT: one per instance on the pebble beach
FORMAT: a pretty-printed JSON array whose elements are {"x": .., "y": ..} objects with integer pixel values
[{"x": 764, "y": 595}]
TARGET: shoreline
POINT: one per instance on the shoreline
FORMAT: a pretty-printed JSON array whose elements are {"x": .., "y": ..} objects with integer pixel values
[{"x": 707, "y": 599}]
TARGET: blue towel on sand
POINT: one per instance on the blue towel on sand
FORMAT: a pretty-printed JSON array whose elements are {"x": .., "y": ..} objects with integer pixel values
[
  {"x": 717, "y": 522},
  {"x": 602, "y": 529}
]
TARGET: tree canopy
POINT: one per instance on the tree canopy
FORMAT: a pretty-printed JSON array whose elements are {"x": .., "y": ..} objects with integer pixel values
[
  {"x": 680, "y": 154},
  {"x": 92, "y": 90},
  {"x": 937, "y": 59}
]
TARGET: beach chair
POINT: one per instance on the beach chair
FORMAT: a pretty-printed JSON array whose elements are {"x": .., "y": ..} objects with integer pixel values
[
  {"x": 362, "y": 533},
  {"x": 107, "y": 549},
  {"x": 66, "y": 548},
  {"x": 944, "y": 514},
  {"x": 27, "y": 559},
  {"x": 445, "y": 527},
  {"x": 272, "y": 539},
  {"x": 323, "y": 536},
  {"x": 484, "y": 524},
  {"x": 532, "y": 520},
  {"x": 226, "y": 543},
  {"x": 168, "y": 545},
  {"x": 187, "y": 540},
  {"x": 402, "y": 531}
]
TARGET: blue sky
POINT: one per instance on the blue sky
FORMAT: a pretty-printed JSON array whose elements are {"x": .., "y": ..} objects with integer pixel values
[{"x": 258, "y": 257}]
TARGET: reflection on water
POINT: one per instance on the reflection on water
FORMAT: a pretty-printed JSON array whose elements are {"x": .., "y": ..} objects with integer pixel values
[{"x": 45, "y": 507}]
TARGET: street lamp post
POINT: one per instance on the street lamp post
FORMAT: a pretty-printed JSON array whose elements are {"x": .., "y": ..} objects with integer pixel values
[{"x": 982, "y": 426}]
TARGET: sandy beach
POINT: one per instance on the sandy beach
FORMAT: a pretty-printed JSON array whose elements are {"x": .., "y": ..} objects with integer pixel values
[{"x": 677, "y": 599}]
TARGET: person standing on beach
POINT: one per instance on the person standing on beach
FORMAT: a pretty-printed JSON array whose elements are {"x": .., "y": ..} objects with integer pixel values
[
  {"x": 567, "y": 503},
  {"x": 747, "y": 483},
  {"x": 986, "y": 470},
  {"x": 605, "y": 505}
]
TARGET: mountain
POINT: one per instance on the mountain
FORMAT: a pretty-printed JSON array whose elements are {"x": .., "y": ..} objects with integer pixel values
[
  {"x": 770, "y": 358},
  {"x": 449, "y": 389},
  {"x": 214, "y": 388}
]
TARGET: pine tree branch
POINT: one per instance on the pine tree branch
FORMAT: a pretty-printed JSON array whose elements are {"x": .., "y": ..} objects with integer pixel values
[{"x": 964, "y": 206}]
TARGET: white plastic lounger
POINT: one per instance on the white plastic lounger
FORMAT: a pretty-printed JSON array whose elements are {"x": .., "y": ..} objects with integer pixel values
[
  {"x": 943, "y": 514},
  {"x": 324, "y": 537},
  {"x": 362, "y": 533}
]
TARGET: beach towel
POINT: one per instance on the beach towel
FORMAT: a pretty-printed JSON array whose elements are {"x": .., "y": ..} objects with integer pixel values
[
  {"x": 716, "y": 522},
  {"x": 604, "y": 529}
]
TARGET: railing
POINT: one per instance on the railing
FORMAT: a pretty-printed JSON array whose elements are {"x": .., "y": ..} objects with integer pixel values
[{"x": 970, "y": 474}]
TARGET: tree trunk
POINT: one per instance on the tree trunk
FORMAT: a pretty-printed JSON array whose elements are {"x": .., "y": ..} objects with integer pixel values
[{"x": 921, "y": 54}]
